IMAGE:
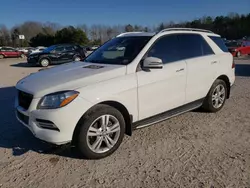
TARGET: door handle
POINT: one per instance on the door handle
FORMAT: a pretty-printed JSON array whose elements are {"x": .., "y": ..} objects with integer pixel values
[
  {"x": 213, "y": 62},
  {"x": 179, "y": 70}
]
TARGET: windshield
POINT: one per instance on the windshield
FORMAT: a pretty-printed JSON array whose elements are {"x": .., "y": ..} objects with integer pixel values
[
  {"x": 232, "y": 44},
  {"x": 49, "y": 48},
  {"x": 119, "y": 51}
]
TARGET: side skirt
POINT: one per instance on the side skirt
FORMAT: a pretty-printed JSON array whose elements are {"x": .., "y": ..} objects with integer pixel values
[{"x": 166, "y": 115}]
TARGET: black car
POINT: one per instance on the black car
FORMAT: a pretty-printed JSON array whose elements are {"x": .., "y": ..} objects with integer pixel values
[{"x": 57, "y": 54}]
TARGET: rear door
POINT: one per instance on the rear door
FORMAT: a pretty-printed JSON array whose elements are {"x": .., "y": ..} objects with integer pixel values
[
  {"x": 57, "y": 56},
  {"x": 201, "y": 65},
  {"x": 69, "y": 53}
]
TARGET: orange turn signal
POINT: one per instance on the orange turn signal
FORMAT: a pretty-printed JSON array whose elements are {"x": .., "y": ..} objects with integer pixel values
[{"x": 68, "y": 100}]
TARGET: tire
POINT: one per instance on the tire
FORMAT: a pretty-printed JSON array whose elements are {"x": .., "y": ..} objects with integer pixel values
[
  {"x": 89, "y": 124},
  {"x": 238, "y": 54},
  {"x": 1, "y": 56},
  {"x": 44, "y": 62},
  {"x": 77, "y": 58},
  {"x": 216, "y": 95},
  {"x": 22, "y": 56}
]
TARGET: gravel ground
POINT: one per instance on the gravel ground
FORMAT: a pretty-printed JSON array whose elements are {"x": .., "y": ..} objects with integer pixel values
[{"x": 192, "y": 150}]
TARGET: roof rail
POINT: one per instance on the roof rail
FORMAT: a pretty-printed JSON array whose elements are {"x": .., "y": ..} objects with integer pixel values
[
  {"x": 185, "y": 29},
  {"x": 122, "y": 34}
]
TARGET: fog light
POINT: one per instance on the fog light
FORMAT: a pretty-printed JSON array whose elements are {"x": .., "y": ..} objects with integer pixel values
[{"x": 46, "y": 124}]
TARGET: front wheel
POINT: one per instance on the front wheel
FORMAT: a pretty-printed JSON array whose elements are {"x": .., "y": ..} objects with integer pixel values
[
  {"x": 216, "y": 97},
  {"x": 22, "y": 56},
  {"x": 101, "y": 132},
  {"x": 1, "y": 56},
  {"x": 44, "y": 62}
]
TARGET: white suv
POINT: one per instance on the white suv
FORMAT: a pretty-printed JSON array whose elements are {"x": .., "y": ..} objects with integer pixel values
[{"x": 134, "y": 80}]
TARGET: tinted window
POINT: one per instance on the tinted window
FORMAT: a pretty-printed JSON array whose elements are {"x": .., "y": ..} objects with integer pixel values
[
  {"x": 50, "y": 48},
  {"x": 194, "y": 45},
  {"x": 246, "y": 43},
  {"x": 166, "y": 48},
  {"x": 219, "y": 43},
  {"x": 232, "y": 44},
  {"x": 60, "y": 49},
  {"x": 206, "y": 49},
  {"x": 8, "y": 49},
  {"x": 69, "y": 48}
]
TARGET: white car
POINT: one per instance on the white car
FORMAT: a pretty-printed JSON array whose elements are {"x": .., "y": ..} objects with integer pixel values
[
  {"x": 37, "y": 49},
  {"x": 92, "y": 104}
]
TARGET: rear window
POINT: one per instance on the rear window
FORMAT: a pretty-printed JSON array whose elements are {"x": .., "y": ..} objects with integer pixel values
[{"x": 220, "y": 43}]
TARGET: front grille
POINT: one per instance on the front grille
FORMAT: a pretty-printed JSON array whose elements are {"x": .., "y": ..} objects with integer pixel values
[
  {"x": 23, "y": 117},
  {"x": 24, "y": 99}
]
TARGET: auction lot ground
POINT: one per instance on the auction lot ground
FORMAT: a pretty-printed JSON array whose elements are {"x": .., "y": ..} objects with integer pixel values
[{"x": 192, "y": 150}]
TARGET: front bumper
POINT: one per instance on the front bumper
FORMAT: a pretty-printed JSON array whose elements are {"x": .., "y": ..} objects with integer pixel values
[
  {"x": 32, "y": 60},
  {"x": 65, "y": 119}
]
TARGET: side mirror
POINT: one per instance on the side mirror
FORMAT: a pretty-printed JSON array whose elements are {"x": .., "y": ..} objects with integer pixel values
[{"x": 152, "y": 63}]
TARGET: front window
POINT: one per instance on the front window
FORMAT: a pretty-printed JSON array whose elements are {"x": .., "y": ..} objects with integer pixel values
[
  {"x": 119, "y": 51},
  {"x": 49, "y": 49}
]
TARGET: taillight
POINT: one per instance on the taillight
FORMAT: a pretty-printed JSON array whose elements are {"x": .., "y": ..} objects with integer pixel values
[{"x": 233, "y": 65}]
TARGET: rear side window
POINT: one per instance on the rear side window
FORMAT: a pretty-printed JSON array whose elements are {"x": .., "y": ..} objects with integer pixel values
[
  {"x": 220, "y": 43},
  {"x": 194, "y": 45}
]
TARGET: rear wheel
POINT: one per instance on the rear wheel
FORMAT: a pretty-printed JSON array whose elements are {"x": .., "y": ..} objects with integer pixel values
[
  {"x": 1, "y": 56},
  {"x": 44, "y": 62},
  {"x": 216, "y": 97},
  {"x": 101, "y": 132},
  {"x": 77, "y": 58}
]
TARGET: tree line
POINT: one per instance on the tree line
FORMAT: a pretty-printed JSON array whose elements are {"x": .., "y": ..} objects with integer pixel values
[{"x": 232, "y": 26}]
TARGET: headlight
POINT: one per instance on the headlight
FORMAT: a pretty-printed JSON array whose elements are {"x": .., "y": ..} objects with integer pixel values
[{"x": 57, "y": 100}]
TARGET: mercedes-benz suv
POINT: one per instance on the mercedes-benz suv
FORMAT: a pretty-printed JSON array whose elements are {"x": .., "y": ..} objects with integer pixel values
[{"x": 132, "y": 81}]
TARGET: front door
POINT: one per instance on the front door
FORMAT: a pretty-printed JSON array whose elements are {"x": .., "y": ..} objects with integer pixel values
[{"x": 160, "y": 90}]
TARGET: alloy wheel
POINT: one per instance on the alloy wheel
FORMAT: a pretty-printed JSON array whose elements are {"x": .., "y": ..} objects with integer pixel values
[
  {"x": 45, "y": 62},
  {"x": 218, "y": 96},
  {"x": 103, "y": 133},
  {"x": 77, "y": 59}
]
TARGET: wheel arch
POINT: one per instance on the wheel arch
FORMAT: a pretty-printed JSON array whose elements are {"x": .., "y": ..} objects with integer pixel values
[
  {"x": 117, "y": 105},
  {"x": 226, "y": 80},
  {"x": 44, "y": 57}
]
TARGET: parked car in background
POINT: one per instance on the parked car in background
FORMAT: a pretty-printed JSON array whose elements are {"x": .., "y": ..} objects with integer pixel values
[
  {"x": 57, "y": 54},
  {"x": 25, "y": 50},
  {"x": 92, "y": 104},
  {"x": 10, "y": 52},
  {"x": 237, "y": 49},
  {"x": 37, "y": 49}
]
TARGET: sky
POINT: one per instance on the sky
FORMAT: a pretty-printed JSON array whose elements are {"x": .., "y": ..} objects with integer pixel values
[{"x": 108, "y": 12}]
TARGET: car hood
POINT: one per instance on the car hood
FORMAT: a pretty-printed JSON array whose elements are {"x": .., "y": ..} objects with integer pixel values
[{"x": 68, "y": 76}]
